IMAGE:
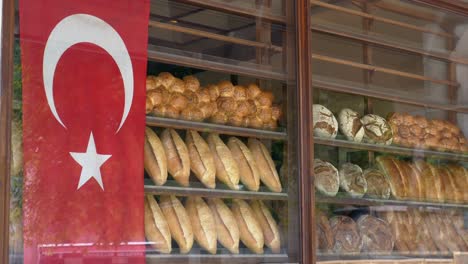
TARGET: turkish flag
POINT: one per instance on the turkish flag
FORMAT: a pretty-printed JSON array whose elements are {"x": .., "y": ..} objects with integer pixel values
[{"x": 84, "y": 68}]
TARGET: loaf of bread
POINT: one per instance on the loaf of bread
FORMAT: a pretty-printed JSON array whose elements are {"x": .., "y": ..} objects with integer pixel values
[
  {"x": 324, "y": 122},
  {"x": 325, "y": 238},
  {"x": 178, "y": 221},
  {"x": 424, "y": 241},
  {"x": 460, "y": 180},
  {"x": 398, "y": 231},
  {"x": 156, "y": 228},
  {"x": 226, "y": 225},
  {"x": 248, "y": 170},
  {"x": 352, "y": 180},
  {"x": 201, "y": 159},
  {"x": 178, "y": 161},
  {"x": 326, "y": 178},
  {"x": 203, "y": 223},
  {"x": 413, "y": 184},
  {"x": 227, "y": 170},
  {"x": 346, "y": 235},
  {"x": 250, "y": 231},
  {"x": 266, "y": 166},
  {"x": 376, "y": 234},
  {"x": 155, "y": 158},
  {"x": 350, "y": 125},
  {"x": 377, "y": 184},
  {"x": 268, "y": 225},
  {"x": 436, "y": 189},
  {"x": 376, "y": 130},
  {"x": 397, "y": 182}
]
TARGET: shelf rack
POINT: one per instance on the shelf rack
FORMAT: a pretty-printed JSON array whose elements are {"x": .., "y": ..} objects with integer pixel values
[
  {"x": 221, "y": 191},
  {"x": 206, "y": 258},
  {"x": 393, "y": 256}
]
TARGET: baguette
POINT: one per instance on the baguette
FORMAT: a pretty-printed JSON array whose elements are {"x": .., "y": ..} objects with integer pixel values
[
  {"x": 156, "y": 228},
  {"x": 249, "y": 229},
  {"x": 459, "y": 175},
  {"x": 178, "y": 161},
  {"x": 201, "y": 159},
  {"x": 179, "y": 222},
  {"x": 227, "y": 170},
  {"x": 397, "y": 183},
  {"x": 437, "y": 184},
  {"x": 412, "y": 184},
  {"x": 449, "y": 186},
  {"x": 155, "y": 158},
  {"x": 226, "y": 226},
  {"x": 269, "y": 227},
  {"x": 248, "y": 170},
  {"x": 266, "y": 166},
  {"x": 203, "y": 223}
]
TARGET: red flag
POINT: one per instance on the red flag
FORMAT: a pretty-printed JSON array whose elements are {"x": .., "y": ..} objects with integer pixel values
[{"x": 84, "y": 68}]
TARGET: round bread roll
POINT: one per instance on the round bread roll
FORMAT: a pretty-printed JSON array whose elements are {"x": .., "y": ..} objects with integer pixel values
[
  {"x": 352, "y": 180},
  {"x": 325, "y": 239},
  {"x": 213, "y": 90},
  {"x": 377, "y": 184},
  {"x": 377, "y": 130},
  {"x": 346, "y": 235},
  {"x": 264, "y": 99},
  {"x": 149, "y": 105},
  {"x": 227, "y": 170},
  {"x": 191, "y": 83},
  {"x": 249, "y": 174},
  {"x": 150, "y": 82},
  {"x": 240, "y": 93},
  {"x": 350, "y": 125},
  {"x": 227, "y": 104},
  {"x": 156, "y": 228},
  {"x": 220, "y": 117},
  {"x": 178, "y": 221},
  {"x": 178, "y": 101},
  {"x": 326, "y": 178},
  {"x": 201, "y": 159},
  {"x": 192, "y": 113},
  {"x": 226, "y": 89},
  {"x": 245, "y": 108},
  {"x": 324, "y": 122},
  {"x": 178, "y": 86},
  {"x": 269, "y": 227},
  {"x": 155, "y": 160},
  {"x": 251, "y": 233},
  {"x": 226, "y": 226},
  {"x": 376, "y": 234},
  {"x": 166, "y": 79},
  {"x": 203, "y": 223},
  {"x": 156, "y": 96},
  {"x": 178, "y": 161},
  {"x": 253, "y": 91},
  {"x": 235, "y": 120}
]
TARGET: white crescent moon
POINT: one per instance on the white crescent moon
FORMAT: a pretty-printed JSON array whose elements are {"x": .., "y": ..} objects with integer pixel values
[{"x": 83, "y": 28}]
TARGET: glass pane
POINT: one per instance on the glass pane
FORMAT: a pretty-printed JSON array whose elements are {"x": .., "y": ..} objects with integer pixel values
[{"x": 390, "y": 128}]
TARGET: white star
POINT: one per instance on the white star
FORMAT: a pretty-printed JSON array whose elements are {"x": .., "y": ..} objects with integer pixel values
[{"x": 91, "y": 162}]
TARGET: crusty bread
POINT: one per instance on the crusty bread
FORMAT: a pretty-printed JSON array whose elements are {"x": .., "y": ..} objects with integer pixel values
[
  {"x": 460, "y": 177},
  {"x": 203, "y": 223},
  {"x": 178, "y": 161},
  {"x": 179, "y": 222},
  {"x": 269, "y": 226},
  {"x": 437, "y": 185},
  {"x": 156, "y": 228},
  {"x": 201, "y": 159},
  {"x": 397, "y": 183},
  {"x": 412, "y": 184},
  {"x": 226, "y": 225},
  {"x": 227, "y": 170},
  {"x": 266, "y": 166},
  {"x": 155, "y": 157},
  {"x": 248, "y": 169},
  {"x": 249, "y": 229},
  {"x": 376, "y": 234}
]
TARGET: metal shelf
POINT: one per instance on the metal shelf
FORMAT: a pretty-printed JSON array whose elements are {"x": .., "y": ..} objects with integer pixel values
[
  {"x": 343, "y": 200},
  {"x": 419, "y": 153},
  {"x": 214, "y": 128},
  {"x": 221, "y": 258},
  {"x": 376, "y": 256},
  {"x": 221, "y": 191}
]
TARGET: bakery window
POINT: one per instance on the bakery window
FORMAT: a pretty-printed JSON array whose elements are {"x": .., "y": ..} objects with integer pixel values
[
  {"x": 208, "y": 173},
  {"x": 390, "y": 124}
]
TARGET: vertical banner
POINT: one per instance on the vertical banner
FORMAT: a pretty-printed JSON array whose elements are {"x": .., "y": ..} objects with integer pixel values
[{"x": 84, "y": 68}]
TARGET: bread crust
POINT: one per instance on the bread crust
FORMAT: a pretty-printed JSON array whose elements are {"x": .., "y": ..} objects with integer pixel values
[
  {"x": 346, "y": 234},
  {"x": 269, "y": 226},
  {"x": 227, "y": 170},
  {"x": 156, "y": 228},
  {"x": 376, "y": 234},
  {"x": 226, "y": 225},
  {"x": 155, "y": 159},
  {"x": 178, "y": 221},
  {"x": 249, "y": 229},
  {"x": 248, "y": 169},
  {"x": 377, "y": 184},
  {"x": 178, "y": 161},
  {"x": 326, "y": 178},
  {"x": 266, "y": 167},
  {"x": 397, "y": 183},
  {"x": 203, "y": 223},
  {"x": 201, "y": 159}
]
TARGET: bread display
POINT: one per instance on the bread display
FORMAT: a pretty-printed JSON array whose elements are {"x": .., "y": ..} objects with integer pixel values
[
  {"x": 203, "y": 223},
  {"x": 222, "y": 103},
  {"x": 350, "y": 125},
  {"x": 346, "y": 235},
  {"x": 376, "y": 234},
  {"x": 156, "y": 228},
  {"x": 266, "y": 166},
  {"x": 250, "y": 231},
  {"x": 227, "y": 170},
  {"x": 248, "y": 170},
  {"x": 155, "y": 160},
  {"x": 201, "y": 159},
  {"x": 326, "y": 178},
  {"x": 178, "y": 221},
  {"x": 178, "y": 161},
  {"x": 352, "y": 180},
  {"x": 226, "y": 225},
  {"x": 377, "y": 184},
  {"x": 377, "y": 130},
  {"x": 324, "y": 122},
  {"x": 325, "y": 237},
  {"x": 420, "y": 132},
  {"x": 268, "y": 225}
]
